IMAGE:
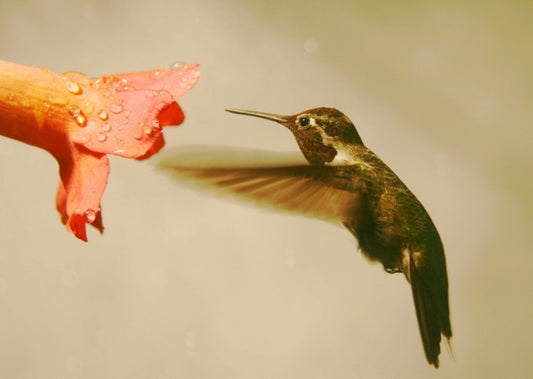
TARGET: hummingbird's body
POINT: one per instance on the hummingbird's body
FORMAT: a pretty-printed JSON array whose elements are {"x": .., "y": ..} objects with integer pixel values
[{"x": 347, "y": 182}]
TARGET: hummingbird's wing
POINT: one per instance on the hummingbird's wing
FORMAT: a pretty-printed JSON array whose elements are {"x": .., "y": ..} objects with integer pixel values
[{"x": 284, "y": 181}]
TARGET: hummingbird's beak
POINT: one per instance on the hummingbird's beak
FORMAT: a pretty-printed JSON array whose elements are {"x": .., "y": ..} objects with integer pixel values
[{"x": 268, "y": 116}]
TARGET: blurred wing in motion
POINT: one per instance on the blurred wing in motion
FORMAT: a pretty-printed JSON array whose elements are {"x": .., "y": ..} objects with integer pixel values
[{"x": 284, "y": 181}]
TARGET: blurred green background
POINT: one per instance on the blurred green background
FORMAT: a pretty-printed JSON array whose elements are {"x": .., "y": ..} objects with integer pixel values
[{"x": 187, "y": 285}]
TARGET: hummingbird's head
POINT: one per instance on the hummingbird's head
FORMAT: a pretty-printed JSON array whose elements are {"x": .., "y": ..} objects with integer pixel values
[{"x": 324, "y": 135}]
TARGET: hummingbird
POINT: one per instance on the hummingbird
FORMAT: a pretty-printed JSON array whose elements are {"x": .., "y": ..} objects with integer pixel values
[{"x": 344, "y": 181}]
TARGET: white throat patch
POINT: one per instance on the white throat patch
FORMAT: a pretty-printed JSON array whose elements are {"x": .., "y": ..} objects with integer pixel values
[{"x": 343, "y": 157}]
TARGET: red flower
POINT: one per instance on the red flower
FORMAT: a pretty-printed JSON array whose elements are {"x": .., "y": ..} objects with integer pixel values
[{"x": 79, "y": 121}]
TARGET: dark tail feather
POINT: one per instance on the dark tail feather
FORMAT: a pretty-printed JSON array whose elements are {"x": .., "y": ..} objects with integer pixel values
[{"x": 431, "y": 303}]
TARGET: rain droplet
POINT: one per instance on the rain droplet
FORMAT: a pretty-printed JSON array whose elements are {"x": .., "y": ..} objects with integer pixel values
[
  {"x": 77, "y": 114},
  {"x": 81, "y": 120},
  {"x": 147, "y": 130},
  {"x": 101, "y": 137},
  {"x": 106, "y": 127},
  {"x": 174, "y": 66},
  {"x": 116, "y": 108},
  {"x": 138, "y": 131},
  {"x": 102, "y": 115},
  {"x": 84, "y": 139},
  {"x": 90, "y": 216},
  {"x": 157, "y": 73},
  {"x": 72, "y": 87},
  {"x": 89, "y": 106}
]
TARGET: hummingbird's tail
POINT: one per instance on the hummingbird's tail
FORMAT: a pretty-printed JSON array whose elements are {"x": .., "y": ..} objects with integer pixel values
[{"x": 430, "y": 294}]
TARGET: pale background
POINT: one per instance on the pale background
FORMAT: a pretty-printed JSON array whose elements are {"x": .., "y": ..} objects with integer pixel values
[{"x": 187, "y": 285}]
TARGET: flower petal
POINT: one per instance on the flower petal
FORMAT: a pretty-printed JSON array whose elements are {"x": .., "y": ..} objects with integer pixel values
[
  {"x": 129, "y": 116},
  {"x": 79, "y": 120},
  {"x": 83, "y": 180}
]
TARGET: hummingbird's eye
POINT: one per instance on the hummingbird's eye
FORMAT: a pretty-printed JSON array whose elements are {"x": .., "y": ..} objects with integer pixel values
[{"x": 304, "y": 122}]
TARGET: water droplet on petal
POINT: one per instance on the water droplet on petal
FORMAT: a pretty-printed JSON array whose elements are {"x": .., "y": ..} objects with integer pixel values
[
  {"x": 147, "y": 130},
  {"x": 102, "y": 115},
  {"x": 84, "y": 139},
  {"x": 106, "y": 127},
  {"x": 89, "y": 106},
  {"x": 72, "y": 87},
  {"x": 101, "y": 137},
  {"x": 116, "y": 108},
  {"x": 77, "y": 114},
  {"x": 157, "y": 73},
  {"x": 138, "y": 131},
  {"x": 81, "y": 120},
  {"x": 90, "y": 216},
  {"x": 174, "y": 66}
]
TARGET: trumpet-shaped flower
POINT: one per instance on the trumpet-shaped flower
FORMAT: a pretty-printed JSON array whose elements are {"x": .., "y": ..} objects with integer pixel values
[{"x": 79, "y": 121}]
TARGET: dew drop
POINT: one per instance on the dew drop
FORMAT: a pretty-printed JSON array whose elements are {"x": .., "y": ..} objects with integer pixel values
[
  {"x": 101, "y": 137},
  {"x": 90, "y": 216},
  {"x": 102, "y": 115},
  {"x": 77, "y": 114},
  {"x": 72, "y": 87},
  {"x": 74, "y": 110},
  {"x": 106, "y": 127},
  {"x": 81, "y": 120},
  {"x": 116, "y": 108},
  {"x": 157, "y": 73},
  {"x": 84, "y": 139},
  {"x": 147, "y": 130},
  {"x": 174, "y": 66},
  {"x": 138, "y": 131},
  {"x": 89, "y": 106}
]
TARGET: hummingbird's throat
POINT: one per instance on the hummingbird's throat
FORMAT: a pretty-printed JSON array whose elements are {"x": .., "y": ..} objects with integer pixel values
[{"x": 343, "y": 156}]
